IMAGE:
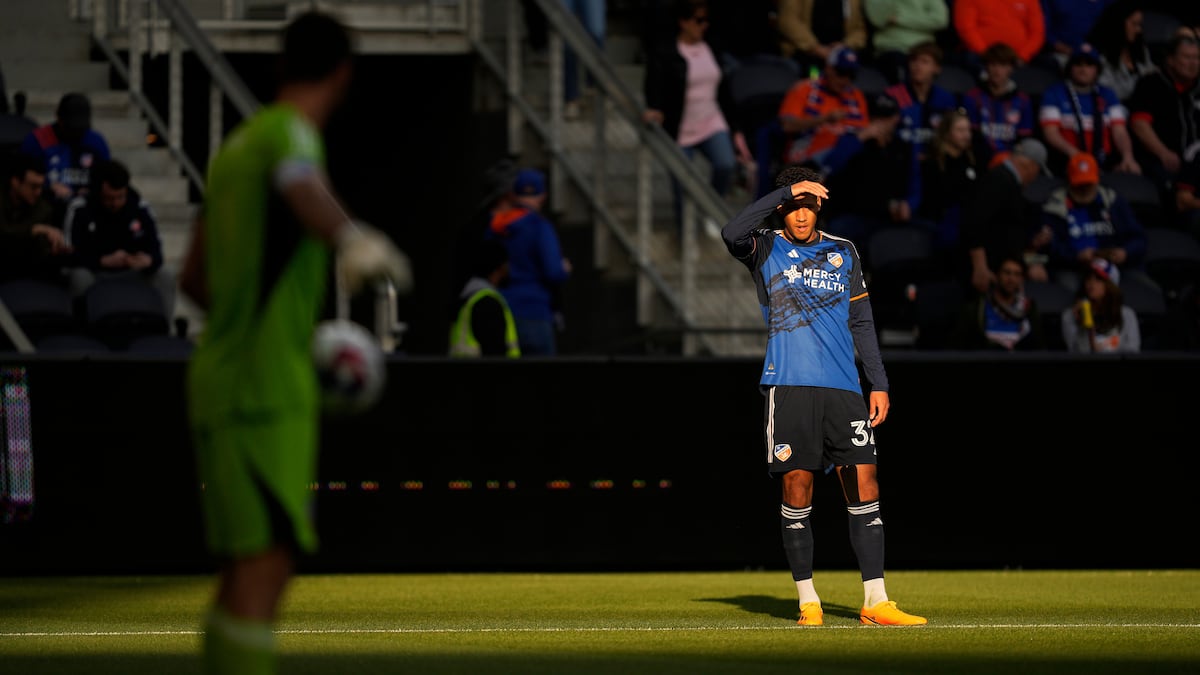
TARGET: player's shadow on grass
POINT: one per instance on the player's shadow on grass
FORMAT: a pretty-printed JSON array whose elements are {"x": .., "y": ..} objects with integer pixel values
[{"x": 780, "y": 608}]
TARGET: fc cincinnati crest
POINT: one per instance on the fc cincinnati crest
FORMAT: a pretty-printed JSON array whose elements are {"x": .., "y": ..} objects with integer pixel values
[
  {"x": 783, "y": 451},
  {"x": 834, "y": 259}
]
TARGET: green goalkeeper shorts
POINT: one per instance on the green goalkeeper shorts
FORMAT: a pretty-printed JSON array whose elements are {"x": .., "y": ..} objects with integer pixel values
[{"x": 256, "y": 484}]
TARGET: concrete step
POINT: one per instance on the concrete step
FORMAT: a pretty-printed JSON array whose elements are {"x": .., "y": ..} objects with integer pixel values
[
  {"x": 162, "y": 190},
  {"x": 61, "y": 76},
  {"x": 30, "y": 14},
  {"x": 45, "y": 44},
  {"x": 122, "y": 133},
  {"x": 41, "y": 103},
  {"x": 146, "y": 160},
  {"x": 172, "y": 215}
]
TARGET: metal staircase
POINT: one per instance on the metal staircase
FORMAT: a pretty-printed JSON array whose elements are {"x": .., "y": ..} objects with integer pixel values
[{"x": 609, "y": 173}]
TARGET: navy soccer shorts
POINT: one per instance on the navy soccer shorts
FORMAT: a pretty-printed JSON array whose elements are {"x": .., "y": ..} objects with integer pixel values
[{"x": 813, "y": 428}]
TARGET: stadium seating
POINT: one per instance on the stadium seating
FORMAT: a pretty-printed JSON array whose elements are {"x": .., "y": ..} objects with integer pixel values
[
  {"x": 1038, "y": 191},
  {"x": 73, "y": 343},
  {"x": 936, "y": 308},
  {"x": 1141, "y": 193},
  {"x": 1051, "y": 298},
  {"x": 40, "y": 308},
  {"x": 1033, "y": 80},
  {"x": 118, "y": 310},
  {"x": 160, "y": 346},
  {"x": 1172, "y": 260},
  {"x": 1157, "y": 29},
  {"x": 871, "y": 81},
  {"x": 956, "y": 79},
  {"x": 757, "y": 87},
  {"x": 1146, "y": 298},
  {"x": 897, "y": 257}
]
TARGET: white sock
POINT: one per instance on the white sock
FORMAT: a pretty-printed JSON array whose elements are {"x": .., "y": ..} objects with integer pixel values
[
  {"x": 874, "y": 592},
  {"x": 807, "y": 592}
]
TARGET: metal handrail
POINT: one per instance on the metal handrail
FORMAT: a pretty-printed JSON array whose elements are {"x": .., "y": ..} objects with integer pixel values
[{"x": 183, "y": 31}]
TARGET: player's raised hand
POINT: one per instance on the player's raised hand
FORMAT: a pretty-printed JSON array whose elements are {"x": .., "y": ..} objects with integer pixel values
[
  {"x": 366, "y": 254},
  {"x": 810, "y": 187}
]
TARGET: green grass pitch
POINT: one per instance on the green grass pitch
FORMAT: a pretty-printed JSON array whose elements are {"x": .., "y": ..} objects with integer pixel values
[{"x": 688, "y": 623}]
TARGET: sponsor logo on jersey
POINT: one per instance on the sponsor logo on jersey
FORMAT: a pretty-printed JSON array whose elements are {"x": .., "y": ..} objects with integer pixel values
[
  {"x": 793, "y": 254},
  {"x": 783, "y": 451}
]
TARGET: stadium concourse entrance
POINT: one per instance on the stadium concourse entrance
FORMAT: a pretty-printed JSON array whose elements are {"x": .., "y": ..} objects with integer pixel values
[{"x": 646, "y": 464}]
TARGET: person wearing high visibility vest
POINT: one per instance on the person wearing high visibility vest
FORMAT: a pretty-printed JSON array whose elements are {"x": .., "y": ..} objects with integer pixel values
[{"x": 483, "y": 324}]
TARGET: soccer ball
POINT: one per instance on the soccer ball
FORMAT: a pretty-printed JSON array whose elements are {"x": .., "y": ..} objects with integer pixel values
[{"x": 350, "y": 366}]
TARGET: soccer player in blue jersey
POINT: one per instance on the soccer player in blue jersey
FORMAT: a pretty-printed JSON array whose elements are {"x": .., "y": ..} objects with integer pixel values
[{"x": 813, "y": 297}]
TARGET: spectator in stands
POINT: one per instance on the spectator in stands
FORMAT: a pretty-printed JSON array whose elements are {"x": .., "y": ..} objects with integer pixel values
[
  {"x": 69, "y": 146},
  {"x": 1002, "y": 317},
  {"x": 1165, "y": 111},
  {"x": 537, "y": 268},
  {"x": 1001, "y": 114},
  {"x": 1081, "y": 115},
  {"x": 999, "y": 222},
  {"x": 1187, "y": 196},
  {"x": 1089, "y": 221},
  {"x": 875, "y": 167},
  {"x": 482, "y": 323},
  {"x": 900, "y": 25},
  {"x": 815, "y": 113},
  {"x": 1100, "y": 321},
  {"x": 593, "y": 15},
  {"x": 1125, "y": 57},
  {"x": 114, "y": 234},
  {"x": 922, "y": 101},
  {"x": 811, "y": 30},
  {"x": 31, "y": 246},
  {"x": 982, "y": 23},
  {"x": 496, "y": 195},
  {"x": 1068, "y": 23},
  {"x": 684, "y": 93},
  {"x": 949, "y": 176}
]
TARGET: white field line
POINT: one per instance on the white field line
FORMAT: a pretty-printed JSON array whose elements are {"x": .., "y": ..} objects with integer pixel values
[{"x": 600, "y": 629}]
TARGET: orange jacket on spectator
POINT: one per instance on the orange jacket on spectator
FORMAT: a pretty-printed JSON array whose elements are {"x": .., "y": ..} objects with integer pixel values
[
  {"x": 1020, "y": 23},
  {"x": 811, "y": 98}
]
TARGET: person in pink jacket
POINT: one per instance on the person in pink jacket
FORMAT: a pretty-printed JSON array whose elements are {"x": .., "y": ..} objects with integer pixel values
[{"x": 980, "y": 23}]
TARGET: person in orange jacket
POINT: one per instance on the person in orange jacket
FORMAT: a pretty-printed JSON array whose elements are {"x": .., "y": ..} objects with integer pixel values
[{"x": 1020, "y": 23}]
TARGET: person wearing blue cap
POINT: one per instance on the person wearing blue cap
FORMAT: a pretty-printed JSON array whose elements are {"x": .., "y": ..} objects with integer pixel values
[
  {"x": 1079, "y": 114},
  {"x": 537, "y": 267},
  {"x": 816, "y": 112}
]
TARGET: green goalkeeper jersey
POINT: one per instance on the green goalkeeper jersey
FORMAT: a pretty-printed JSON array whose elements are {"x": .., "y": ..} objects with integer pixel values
[{"x": 266, "y": 275}]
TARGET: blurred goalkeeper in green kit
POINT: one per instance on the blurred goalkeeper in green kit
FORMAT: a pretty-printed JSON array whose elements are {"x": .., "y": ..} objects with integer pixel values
[{"x": 257, "y": 264}]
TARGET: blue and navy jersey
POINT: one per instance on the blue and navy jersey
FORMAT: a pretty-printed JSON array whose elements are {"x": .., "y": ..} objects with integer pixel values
[
  {"x": 1001, "y": 120},
  {"x": 1084, "y": 118},
  {"x": 67, "y": 164},
  {"x": 919, "y": 119},
  {"x": 806, "y": 292}
]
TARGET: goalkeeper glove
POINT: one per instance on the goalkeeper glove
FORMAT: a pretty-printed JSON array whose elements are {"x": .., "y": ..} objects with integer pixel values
[{"x": 366, "y": 254}]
